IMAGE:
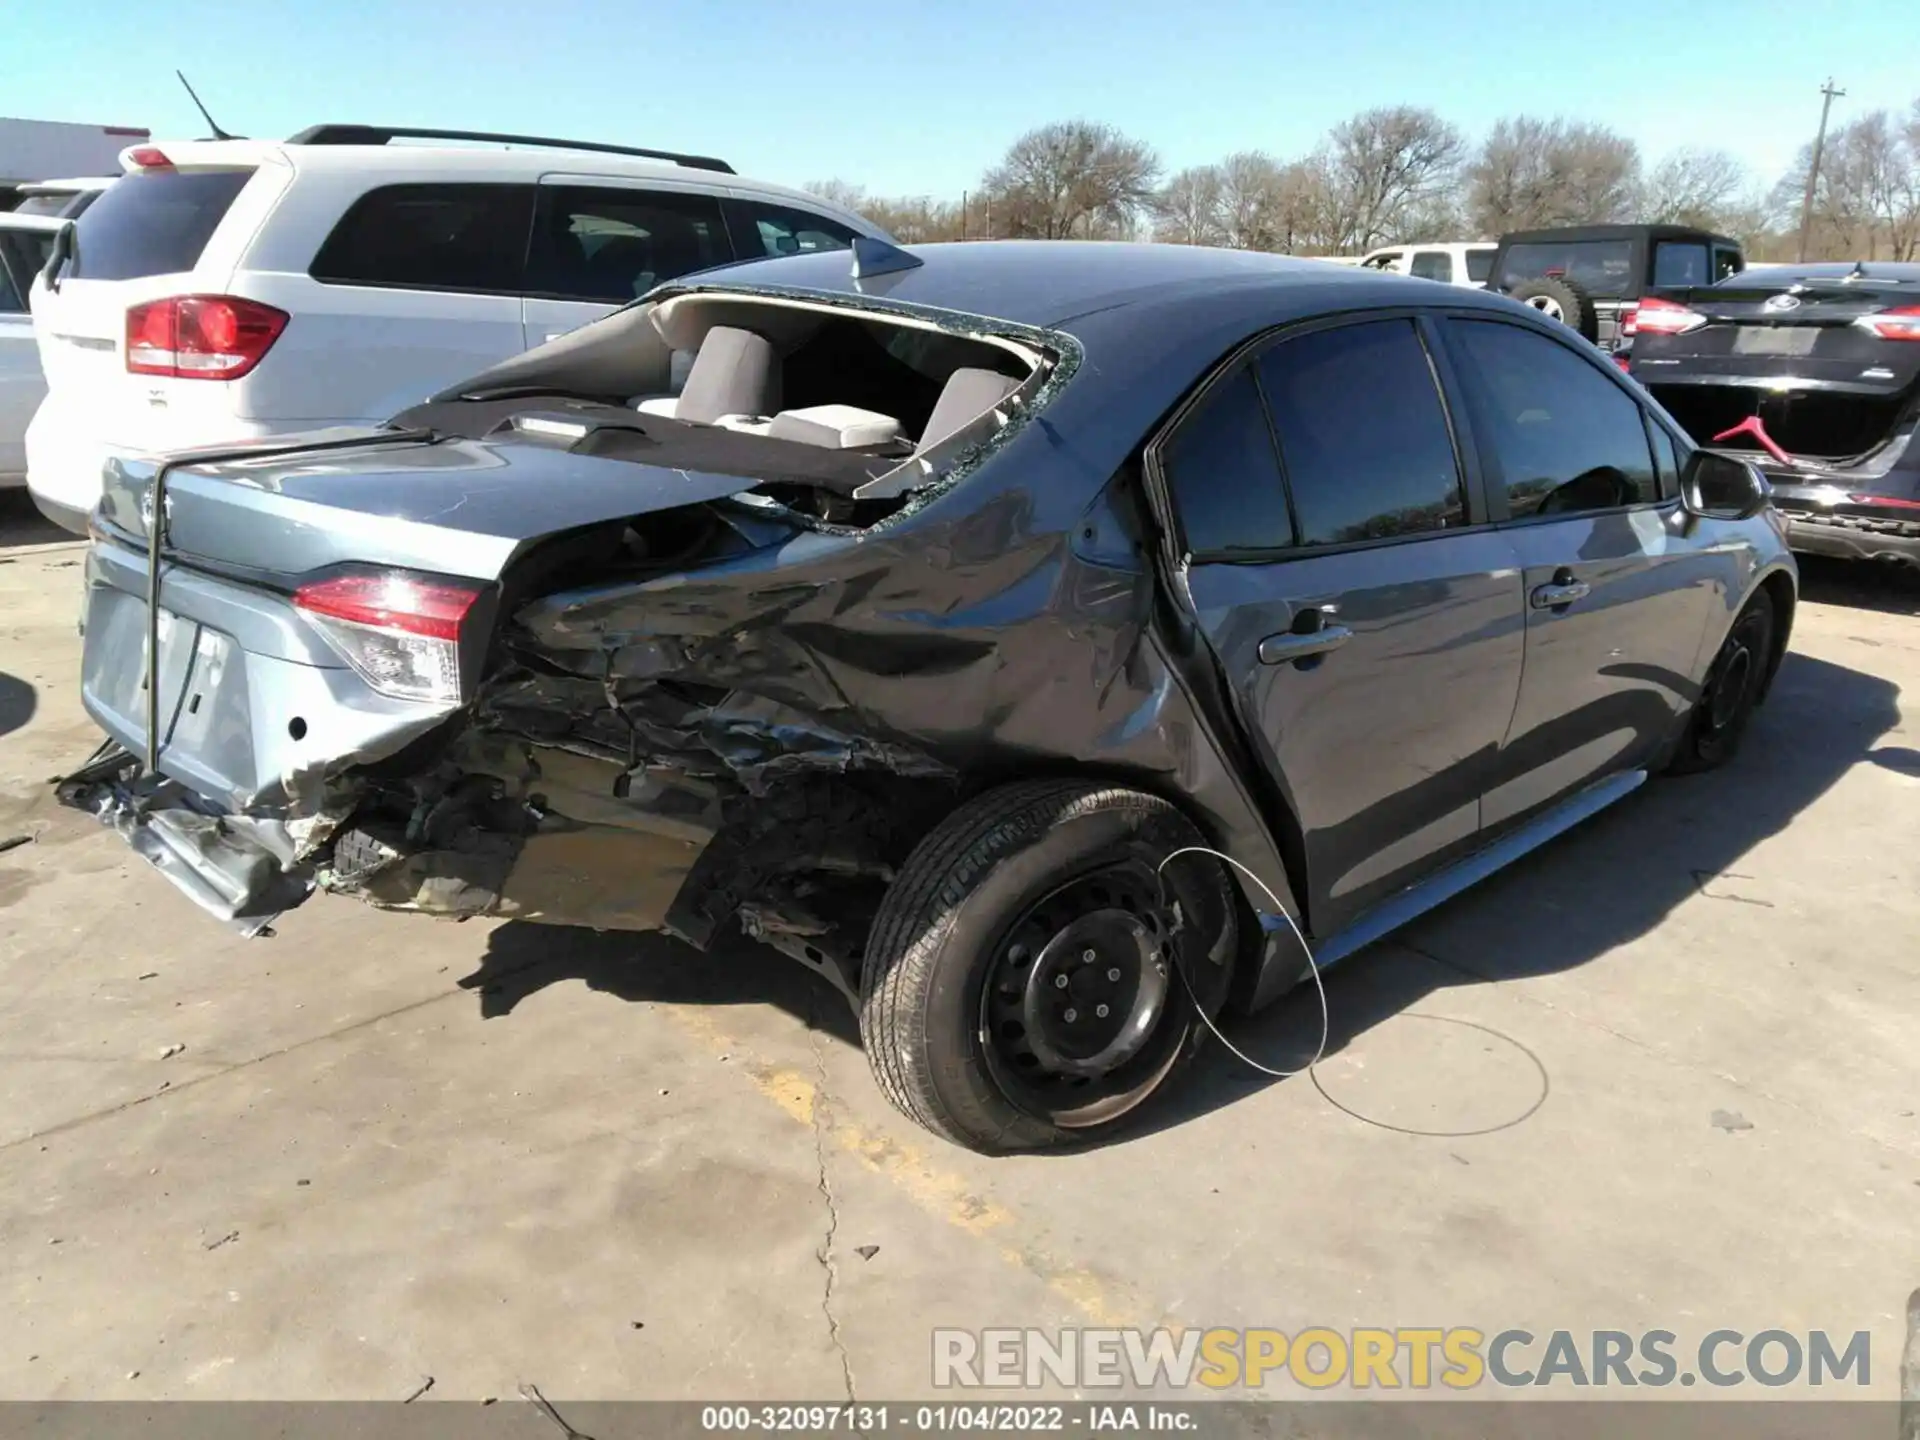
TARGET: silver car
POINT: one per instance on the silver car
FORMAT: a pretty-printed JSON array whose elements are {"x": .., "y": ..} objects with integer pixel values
[{"x": 1049, "y": 645}]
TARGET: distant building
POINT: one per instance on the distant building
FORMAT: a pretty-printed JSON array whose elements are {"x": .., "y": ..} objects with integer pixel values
[{"x": 56, "y": 150}]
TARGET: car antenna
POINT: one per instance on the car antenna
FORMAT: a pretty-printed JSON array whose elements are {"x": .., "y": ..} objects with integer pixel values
[{"x": 218, "y": 133}]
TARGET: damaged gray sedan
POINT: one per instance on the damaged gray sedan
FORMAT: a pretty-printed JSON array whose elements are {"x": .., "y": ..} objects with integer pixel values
[{"x": 1048, "y": 645}]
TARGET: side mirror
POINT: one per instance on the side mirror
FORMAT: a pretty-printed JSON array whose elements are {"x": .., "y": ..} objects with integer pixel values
[{"x": 1723, "y": 488}]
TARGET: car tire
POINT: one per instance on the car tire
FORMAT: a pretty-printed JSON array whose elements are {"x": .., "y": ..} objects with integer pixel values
[
  {"x": 1735, "y": 682},
  {"x": 1560, "y": 299},
  {"x": 978, "y": 1002}
]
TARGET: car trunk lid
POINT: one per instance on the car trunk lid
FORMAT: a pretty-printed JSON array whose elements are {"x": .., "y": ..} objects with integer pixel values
[{"x": 405, "y": 499}]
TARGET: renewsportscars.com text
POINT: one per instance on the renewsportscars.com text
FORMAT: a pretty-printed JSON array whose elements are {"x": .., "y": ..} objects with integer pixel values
[{"x": 1415, "y": 1358}]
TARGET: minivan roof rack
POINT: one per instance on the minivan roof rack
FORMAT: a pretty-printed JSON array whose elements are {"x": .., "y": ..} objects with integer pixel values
[{"x": 382, "y": 134}]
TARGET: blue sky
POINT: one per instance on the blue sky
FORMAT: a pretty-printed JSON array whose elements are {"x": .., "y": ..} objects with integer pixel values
[{"x": 915, "y": 97}]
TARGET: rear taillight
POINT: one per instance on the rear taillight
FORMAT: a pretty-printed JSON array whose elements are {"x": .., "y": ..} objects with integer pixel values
[
  {"x": 1625, "y": 362},
  {"x": 1629, "y": 318},
  {"x": 401, "y": 634},
  {"x": 1655, "y": 316},
  {"x": 200, "y": 337},
  {"x": 1902, "y": 323},
  {"x": 1889, "y": 501}
]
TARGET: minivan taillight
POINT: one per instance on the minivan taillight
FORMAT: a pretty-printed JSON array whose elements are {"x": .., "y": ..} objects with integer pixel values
[
  {"x": 1901, "y": 323},
  {"x": 200, "y": 337},
  {"x": 1655, "y": 316},
  {"x": 1629, "y": 318},
  {"x": 400, "y": 633}
]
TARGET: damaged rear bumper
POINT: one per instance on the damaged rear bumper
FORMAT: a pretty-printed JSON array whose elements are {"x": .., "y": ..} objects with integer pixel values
[
  {"x": 240, "y": 869},
  {"x": 513, "y": 832}
]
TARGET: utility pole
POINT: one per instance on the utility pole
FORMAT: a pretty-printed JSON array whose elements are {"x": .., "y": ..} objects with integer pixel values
[{"x": 1813, "y": 170}]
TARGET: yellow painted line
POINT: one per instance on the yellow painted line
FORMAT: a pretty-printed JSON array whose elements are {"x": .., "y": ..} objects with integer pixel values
[{"x": 941, "y": 1193}]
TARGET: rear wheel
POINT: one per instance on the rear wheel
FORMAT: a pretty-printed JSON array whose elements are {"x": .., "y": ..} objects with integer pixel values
[
  {"x": 1733, "y": 687},
  {"x": 1021, "y": 986}
]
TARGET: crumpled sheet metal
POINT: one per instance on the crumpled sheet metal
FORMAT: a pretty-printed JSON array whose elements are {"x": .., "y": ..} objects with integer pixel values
[{"x": 992, "y": 636}]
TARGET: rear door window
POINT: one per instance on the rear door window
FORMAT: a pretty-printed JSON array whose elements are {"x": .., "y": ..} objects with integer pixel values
[
  {"x": 1565, "y": 438},
  {"x": 1432, "y": 265},
  {"x": 430, "y": 237},
  {"x": 611, "y": 244},
  {"x": 1363, "y": 435},
  {"x": 1603, "y": 268},
  {"x": 1223, "y": 476},
  {"x": 1479, "y": 265},
  {"x": 760, "y": 229},
  {"x": 154, "y": 222},
  {"x": 1680, "y": 262}
]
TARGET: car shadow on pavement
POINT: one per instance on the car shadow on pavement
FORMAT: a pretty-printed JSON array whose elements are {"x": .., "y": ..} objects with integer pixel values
[
  {"x": 21, "y": 523},
  {"x": 1607, "y": 883},
  {"x": 523, "y": 958},
  {"x": 17, "y": 703},
  {"x": 1860, "y": 584}
]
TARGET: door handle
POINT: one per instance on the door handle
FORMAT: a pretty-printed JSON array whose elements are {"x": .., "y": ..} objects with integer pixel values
[
  {"x": 1559, "y": 595},
  {"x": 1283, "y": 648}
]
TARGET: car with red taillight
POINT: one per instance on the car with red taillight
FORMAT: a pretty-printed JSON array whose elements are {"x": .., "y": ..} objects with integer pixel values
[
  {"x": 970, "y": 626},
  {"x": 234, "y": 290},
  {"x": 1813, "y": 373}
]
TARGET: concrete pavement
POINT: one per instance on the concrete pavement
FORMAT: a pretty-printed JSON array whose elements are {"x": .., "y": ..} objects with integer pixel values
[{"x": 1664, "y": 1074}]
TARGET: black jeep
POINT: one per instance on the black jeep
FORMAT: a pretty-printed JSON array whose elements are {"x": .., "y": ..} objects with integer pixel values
[{"x": 1592, "y": 276}]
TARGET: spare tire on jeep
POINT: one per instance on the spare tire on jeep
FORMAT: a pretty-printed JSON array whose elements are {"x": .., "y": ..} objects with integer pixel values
[{"x": 1560, "y": 299}]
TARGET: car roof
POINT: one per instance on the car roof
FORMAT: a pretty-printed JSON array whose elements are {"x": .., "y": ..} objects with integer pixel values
[
  {"x": 1086, "y": 286},
  {"x": 1614, "y": 232},
  {"x": 471, "y": 162}
]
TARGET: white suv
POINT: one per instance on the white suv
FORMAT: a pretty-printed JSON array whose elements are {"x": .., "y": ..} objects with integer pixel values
[{"x": 232, "y": 289}]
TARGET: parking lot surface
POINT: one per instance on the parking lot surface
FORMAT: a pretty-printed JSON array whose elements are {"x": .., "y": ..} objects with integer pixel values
[{"x": 1661, "y": 1074}]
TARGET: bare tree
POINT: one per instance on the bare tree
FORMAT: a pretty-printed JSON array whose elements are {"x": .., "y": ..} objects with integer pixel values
[
  {"x": 1383, "y": 164},
  {"x": 1693, "y": 187},
  {"x": 1889, "y": 178},
  {"x": 1187, "y": 209},
  {"x": 1842, "y": 222},
  {"x": 844, "y": 193},
  {"x": 1073, "y": 177},
  {"x": 1532, "y": 173}
]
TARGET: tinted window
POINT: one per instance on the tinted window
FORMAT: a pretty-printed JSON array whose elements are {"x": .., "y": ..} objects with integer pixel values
[
  {"x": 1566, "y": 438},
  {"x": 23, "y": 255},
  {"x": 1602, "y": 267},
  {"x": 1666, "y": 459},
  {"x": 615, "y": 245},
  {"x": 778, "y": 230},
  {"x": 430, "y": 237},
  {"x": 1433, "y": 265},
  {"x": 1221, "y": 470},
  {"x": 1362, "y": 433},
  {"x": 43, "y": 205},
  {"x": 1726, "y": 262},
  {"x": 1479, "y": 265},
  {"x": 152, "y": 223},
  {"x": 1680, "y": 262}
]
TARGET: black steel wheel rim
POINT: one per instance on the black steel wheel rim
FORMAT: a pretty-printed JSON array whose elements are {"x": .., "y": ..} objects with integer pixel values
[
  {"x": 1075, "y": 1012},
  {"x": 1734, "y": 676}
]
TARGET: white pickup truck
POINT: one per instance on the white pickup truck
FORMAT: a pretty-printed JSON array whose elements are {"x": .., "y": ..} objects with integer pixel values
[{"x": 1452, "y": 262}]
